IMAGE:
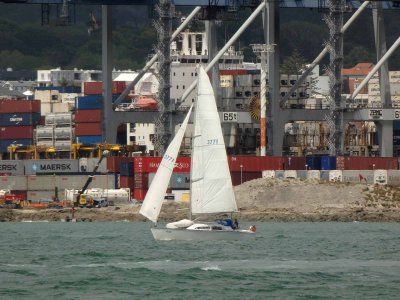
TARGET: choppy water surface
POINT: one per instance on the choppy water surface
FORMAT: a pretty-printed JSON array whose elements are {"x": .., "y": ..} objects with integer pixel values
[{"x": 122, "y": 261}]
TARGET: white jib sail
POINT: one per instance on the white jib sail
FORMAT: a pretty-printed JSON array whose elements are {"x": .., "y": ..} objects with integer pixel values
[
  {"x": 211, "y": 183},
  {"x": 155, "y": 195}
]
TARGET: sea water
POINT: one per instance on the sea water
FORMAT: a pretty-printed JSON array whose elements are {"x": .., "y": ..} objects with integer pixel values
[{"x": 122, "y": 261}]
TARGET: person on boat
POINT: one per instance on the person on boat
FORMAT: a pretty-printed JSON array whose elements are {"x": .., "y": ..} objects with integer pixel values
[{"x": 236, "y": 224}]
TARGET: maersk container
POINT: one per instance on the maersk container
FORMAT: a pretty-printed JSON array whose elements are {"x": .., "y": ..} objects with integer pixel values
[
  {"x": 11, "y": 167},
  {"x": 88, "y": 139},
  {"x": 48, "y": 167},
  {"x": 4, "y": 144},
  {"x": 16, "y": 132},
  {"x": 19, "y": 119},
  {"x": 13, "y": 183},
  {"x": 328, "y": 163},
  {"x": 313, "y": 163},
  {"x": 89, "y": 102},
  {"x": 19, "y": 106},
  {"x": 40, "y": 183}
]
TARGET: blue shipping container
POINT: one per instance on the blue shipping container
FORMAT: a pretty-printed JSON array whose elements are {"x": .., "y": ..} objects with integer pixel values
[
  {"x": 89, "y": 102},
  {"x": 89, "y": 139},
  {"x": 61, "y": 89},
  {"x": 396, "y": 125},
  {"x": 126, "y": 168},
  {"x": 313, "y": 162},
  {"x": 328, "y": 163},
  {"x": 19, "y": 119},
  {"x": 21, "y": 142}
]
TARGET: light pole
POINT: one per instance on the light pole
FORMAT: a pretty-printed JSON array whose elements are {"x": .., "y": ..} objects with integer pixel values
[{"x": 241, "y": 174}]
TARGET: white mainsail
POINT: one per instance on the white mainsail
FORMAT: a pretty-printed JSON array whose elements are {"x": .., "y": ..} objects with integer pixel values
[
  {"x": 211, "y": 183},
  {"x": 155, "y": 195}
]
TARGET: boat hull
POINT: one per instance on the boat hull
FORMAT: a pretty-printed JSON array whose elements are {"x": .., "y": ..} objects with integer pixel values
[{"x": 165, "y": 234}]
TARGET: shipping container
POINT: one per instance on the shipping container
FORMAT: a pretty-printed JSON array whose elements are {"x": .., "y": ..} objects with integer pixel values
[
  {"x": 40, "y": 196},
  {"x": 88, "y": 139},
  {"x": 19, "y": 119},
  {"x": 294, "y": 163},
  {"x": 4, "y": 144},
  {"x": 63, "y": 133},
  {"x": 240, "y": 177},
  {"x": 139, "y": 194},
  {"x": 11, "y": 167},
  {"x": 149, "y": 164},
  {"x": 45, "y": 132},
  {"x": 61, "y": 89},
  {"x": 127, "y": 182},
  {"x": 89, "y": 102},
  {"x": 178, "y": 180},
  {"x": 328, "y": 163},
  {"x": 366, "y": 163},
  {"x": 254, "y": 163},
  {"x": 141, "y": 180},
  {"x": 396, "y": 125},
  {"x": 40, "y": 183},
  {"x": 19, "y": 106},
  {"x": 114, "y": 163},
  {"x": 16, "y": 132},
  {"x": 126, "y": 168},
  {"x": 53, "y": 166},
  {"x": 70, "y": 181},
  {"x": 13, "y": 183},
  {"x": 88, "y": 116},
  {"x": 313, "y": 163},
  {"x": 88, "y": 129},
  {"x": 96, "y": 87},
  {"x": 396, "y": 137}
]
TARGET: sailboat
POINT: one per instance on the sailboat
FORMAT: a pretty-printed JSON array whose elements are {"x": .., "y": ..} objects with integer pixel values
[{"x": 211, "y": 189}]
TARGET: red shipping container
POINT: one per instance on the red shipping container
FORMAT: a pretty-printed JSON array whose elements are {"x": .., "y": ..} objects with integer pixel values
[
  {"x": 149, "y": 164},
  {"x": 88, "y": 116},
  {"x": 88, "y": 129},
  {"x": 255, "y": 163},
  {"x": 241, "y": 177},
  {"x": 126, "y": 182},
  {"x": 141, "y": 180},
  {"x": 19, "y": 106},
  {"x": 294, "y": 163},
  {"x": 139, "y": 194},
  {"x": 233, "y": 72},
  {"x": 16, "y": 132},
  {"x": 96, "y": 87},
  {"x": 114, "y": 162},
  {"x": 366, "y": 163}
]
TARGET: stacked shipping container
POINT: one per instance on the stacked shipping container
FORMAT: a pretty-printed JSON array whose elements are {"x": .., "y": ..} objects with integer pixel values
[
  {"x": 88, "y": 113},
  {"x": 18, "y": 119}
]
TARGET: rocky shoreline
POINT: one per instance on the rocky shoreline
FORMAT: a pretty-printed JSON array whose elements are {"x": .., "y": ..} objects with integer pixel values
[{"x": 258, "y": 200}]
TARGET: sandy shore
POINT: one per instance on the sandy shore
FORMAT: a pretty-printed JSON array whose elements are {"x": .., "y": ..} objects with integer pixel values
[{"x": 260, "y": 200}]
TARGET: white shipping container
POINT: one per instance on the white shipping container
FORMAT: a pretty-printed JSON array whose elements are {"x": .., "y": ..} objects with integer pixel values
[
  {"x": 41, "y": 196},
  {"x": 41, "y": 183},
  {"x": 18, "y": 183},
  {"x": 71, "y": 181}
]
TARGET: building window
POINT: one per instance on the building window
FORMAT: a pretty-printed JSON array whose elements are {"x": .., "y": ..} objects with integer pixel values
[{"x": 177, "y": 87}]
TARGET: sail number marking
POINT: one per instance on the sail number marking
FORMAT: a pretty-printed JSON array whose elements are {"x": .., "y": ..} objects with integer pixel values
[
  {"x": 212, "y": 142},
  {"x": 169, "y": 158}
]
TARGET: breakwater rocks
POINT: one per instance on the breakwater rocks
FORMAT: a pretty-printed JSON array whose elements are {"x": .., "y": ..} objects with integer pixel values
[{"x": 260, "y": 200}]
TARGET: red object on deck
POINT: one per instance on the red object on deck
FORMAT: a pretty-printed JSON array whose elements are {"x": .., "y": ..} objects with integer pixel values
[{"x": 145, "y": 102}]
